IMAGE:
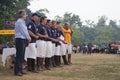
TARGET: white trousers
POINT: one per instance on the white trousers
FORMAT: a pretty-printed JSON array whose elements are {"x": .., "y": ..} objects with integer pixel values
[
  {"x": 63, "y": 49},
  {"x": 48, "y": 49},
  {"x": 57, "y": 51},
  {"x": 69, "y": 48},
  {"x": 53, "y": 49},
  {"x": 32, "y": 51},
  {"x": 41, "y": 48}
]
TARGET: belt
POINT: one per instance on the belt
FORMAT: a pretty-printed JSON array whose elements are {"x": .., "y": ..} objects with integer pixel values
[
  {"x": 20, "y": 38},
  {"x": 42, "y": 39},
  {"x": 48, "y": 40}
]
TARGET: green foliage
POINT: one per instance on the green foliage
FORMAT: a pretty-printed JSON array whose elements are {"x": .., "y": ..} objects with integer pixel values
[
  {"x": 103, "y": 34},
  {"x": 8, "y": 10},
  {"x": 72, "y": 18},
  {"x": 92, "y": 32},
  {"x": 42, "y": 12},
  {"x": 102, "y": 21},
  {"x": 77, "y": 35},
  {"x": 58, "y": 18}
]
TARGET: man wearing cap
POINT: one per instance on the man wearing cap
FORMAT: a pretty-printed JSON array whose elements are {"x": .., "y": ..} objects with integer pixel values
[
  {"x": 21, "y": 39},
  {"x": 32, "y": 29}
]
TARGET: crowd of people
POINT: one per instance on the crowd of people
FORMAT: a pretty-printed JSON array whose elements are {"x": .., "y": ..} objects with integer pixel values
[
  {"x": 48, "y": 41},
  {"x": 113, "y": 48}
]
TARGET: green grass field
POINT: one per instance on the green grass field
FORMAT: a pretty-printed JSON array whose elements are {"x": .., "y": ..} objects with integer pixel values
[{"x": 84, "y": 67}]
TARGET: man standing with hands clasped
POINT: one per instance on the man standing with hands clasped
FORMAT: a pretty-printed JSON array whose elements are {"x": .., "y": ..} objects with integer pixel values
[
  {"x": 21, "y": 39},
  {"x": 41, "y": 43},
  {"x": 32, "y": 29},
  {"x": 68, "y": 33}
]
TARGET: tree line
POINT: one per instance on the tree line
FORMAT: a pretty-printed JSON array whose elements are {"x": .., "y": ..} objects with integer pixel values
[{"x": 90, "y": 32}]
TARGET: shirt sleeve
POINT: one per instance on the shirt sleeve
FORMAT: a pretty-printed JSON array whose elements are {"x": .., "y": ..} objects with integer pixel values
[
  {"x": 30, "y": 27},
  {"x": 24, "y": 30}
]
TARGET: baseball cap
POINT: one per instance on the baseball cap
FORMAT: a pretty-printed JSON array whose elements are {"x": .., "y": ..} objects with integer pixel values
[{"x": 35, "y": 14}]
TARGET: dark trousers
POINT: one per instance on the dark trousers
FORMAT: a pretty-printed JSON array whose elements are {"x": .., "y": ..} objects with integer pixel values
[{"x": 20, "y": 52}]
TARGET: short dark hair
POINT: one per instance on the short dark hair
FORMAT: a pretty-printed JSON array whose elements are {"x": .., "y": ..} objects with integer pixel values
[
  {"x": 48, "y": 20},
  {"x": 58, "y": 22},
  {"x": 67, "y": 23},
  {"x": 42, "y": 18},
  {"x": 53, "y": 21},
  {"x": 35, "y": 14},
  {"x": 21, "y": 13}
]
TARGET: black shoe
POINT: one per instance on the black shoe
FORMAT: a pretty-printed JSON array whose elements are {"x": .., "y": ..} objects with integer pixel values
[
  {"x": 60, "y": 66},
  {"x": 24, "y": 72},
  {"x": 35, "y": 71},
  {"x": 65, "y": 60},
  {"x": 18, "y": 74},
  {"x": 48, "y": 68},
  {"x": 54, "y": 65},
  {"x": 40, "y": 69},
  {"x": 66, "y": 64},
  {"x": 69, "y": 63},
  {"x": 29, "y": 64}
]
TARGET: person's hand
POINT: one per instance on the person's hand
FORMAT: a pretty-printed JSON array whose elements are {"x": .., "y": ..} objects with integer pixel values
[
  {"x": 46, "y": 36},
  {"x": 28, "y": 40},
  {"x": 56, "y": 40},
  {"x": 37, "y": 37},
  {"x": 64, "y": 42},
  {"x": 52, "y": 39}
]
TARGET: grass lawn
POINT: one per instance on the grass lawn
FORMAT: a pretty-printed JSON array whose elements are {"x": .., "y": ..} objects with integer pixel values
[{"x": 84, "y": 67}]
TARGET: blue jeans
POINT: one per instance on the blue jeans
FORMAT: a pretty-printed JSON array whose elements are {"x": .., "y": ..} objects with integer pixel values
[{"x": 20, "y": 52}]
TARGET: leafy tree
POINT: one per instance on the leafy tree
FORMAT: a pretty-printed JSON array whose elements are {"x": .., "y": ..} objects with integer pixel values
[
  {"x": 77, "y": 35},
  {"x": 102, "y": 21},
  {"x": 116, "y": 30},
  {"x": 42, "y": 12},
  {"x": 72, "y": 18},
  {"x": 8, "y": 10},
  {"x": 58, "y": 18},
  {"x": 113, "y": 24},
  {"x": 103, "y": 34}
]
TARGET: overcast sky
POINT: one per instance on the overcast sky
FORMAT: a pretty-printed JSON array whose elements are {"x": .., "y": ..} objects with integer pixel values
[{"x": 86, "y": 9}]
